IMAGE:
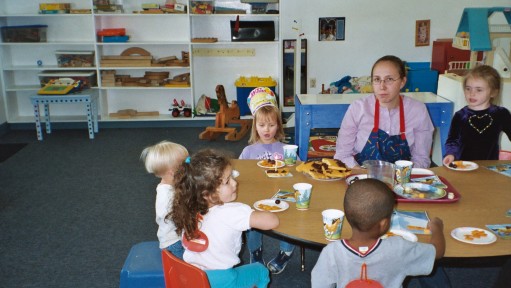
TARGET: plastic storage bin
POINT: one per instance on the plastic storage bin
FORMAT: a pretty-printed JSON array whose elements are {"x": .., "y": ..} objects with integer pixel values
[
  {"x": 244, "y": 85},
  {"x": 26, "y": 33},
  {"x": 88, "y": 77},
  {"x": 75, "y": 58}
]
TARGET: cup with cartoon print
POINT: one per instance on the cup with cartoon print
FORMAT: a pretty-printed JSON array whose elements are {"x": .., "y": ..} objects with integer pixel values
[
  {"x": 302, "y": 195},
  {"x": 332, "y": 223}
]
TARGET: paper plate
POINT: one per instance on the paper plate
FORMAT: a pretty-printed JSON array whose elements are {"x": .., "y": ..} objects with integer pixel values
[
  {"x": 468, "y": 166},
  {"x": 466, "y": 234},
  {"x": 355, "y": 178},
  {"x": 419, "y": 191},
  {"x": 264, "y": 164},
  {"x": 271, "y": 203},
  {"x": 397, "y": 232},
  {"x": 422, "y": 171}
]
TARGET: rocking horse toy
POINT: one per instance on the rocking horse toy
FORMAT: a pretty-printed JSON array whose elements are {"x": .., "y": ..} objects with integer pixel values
[{"x": 226, "y": 117}]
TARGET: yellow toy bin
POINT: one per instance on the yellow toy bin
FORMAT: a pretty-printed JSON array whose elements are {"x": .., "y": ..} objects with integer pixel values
[{"x": 244, "y": 85}]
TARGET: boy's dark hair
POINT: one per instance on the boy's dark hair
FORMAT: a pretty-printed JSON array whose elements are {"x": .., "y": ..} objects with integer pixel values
[{"x": 367, "y": 202}]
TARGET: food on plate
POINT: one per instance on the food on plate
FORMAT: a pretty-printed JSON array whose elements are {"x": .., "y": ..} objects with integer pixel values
[
  {"x": 267, "y": 163},
  {"x": 505, "y": 231},
  {"x": 324, "y": 169},
  {"x": 457, "y": 164},
  {"x": 268, "y": 207},
  {"x": 277, "y": 173},
  {"x": 475, "y": 234},
  {"x": 414, "y": 193}
]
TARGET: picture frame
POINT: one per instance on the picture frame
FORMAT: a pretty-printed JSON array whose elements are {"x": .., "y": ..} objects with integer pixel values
[
  {"x": 331, "y": 29},
  {"x": 422, "y": 31}
]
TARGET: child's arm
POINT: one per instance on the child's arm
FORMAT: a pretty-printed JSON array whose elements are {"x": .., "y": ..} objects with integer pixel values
[
  {"x": 448, "y": 159},
  {"x": 437, "y": 236},
  {"x": 264, "y": 220}
]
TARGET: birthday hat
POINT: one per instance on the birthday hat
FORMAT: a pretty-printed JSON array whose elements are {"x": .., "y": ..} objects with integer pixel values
[{"x": 260, "y": 97}]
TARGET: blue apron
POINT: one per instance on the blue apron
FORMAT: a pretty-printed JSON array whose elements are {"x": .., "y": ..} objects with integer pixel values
[{"x": 382, "y": 146}]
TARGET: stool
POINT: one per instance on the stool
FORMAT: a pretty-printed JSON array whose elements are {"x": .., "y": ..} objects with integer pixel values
[{"x": 143, "y": 267}]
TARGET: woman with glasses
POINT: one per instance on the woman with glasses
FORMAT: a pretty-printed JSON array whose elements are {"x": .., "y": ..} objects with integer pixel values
[{"x": 386, "y": 125}]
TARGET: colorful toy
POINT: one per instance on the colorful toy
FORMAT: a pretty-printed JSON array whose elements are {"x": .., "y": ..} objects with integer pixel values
[
  {"x": 228, "y": 114},
  {"x": 177, "y": 109}
]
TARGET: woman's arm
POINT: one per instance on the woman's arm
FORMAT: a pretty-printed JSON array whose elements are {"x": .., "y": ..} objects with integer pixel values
[
  {"x": 345, "y": 143},
  {"x": 423, "y": 138}
]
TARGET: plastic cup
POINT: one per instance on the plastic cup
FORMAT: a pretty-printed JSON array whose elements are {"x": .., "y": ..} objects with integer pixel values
[
  {"x": 381, "y": 170},
  {"x": 403, "y": 171},
  {"x": 302, "y": 195},
  {"x": 290, "y": 154},
  {"x": 332, "y": 223}
]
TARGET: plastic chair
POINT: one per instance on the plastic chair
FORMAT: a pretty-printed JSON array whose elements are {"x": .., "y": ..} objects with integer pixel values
[
  {"x": 179, "y": 274},
  {"x": 504, "y": 155}
]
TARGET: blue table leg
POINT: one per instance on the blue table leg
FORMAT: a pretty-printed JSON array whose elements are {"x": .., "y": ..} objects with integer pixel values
[
  {"x": 47, "y": 117},
  {"x": 37, "y": 121},
  {"x": 88, "y": 108}
]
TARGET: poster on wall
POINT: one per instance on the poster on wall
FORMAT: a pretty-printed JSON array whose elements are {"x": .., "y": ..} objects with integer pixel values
[
  {"x": 331, "y": 29},
  {"x": 422, "y": 28}
]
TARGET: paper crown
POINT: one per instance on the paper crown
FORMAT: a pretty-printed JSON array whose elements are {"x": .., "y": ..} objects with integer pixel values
[{"x": 260, "y": 97}]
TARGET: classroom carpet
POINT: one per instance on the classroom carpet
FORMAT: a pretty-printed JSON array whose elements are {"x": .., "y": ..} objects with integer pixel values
[{"x": 71, "y": 208}]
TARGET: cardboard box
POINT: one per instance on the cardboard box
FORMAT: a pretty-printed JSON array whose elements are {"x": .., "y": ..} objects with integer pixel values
[
  {"x": 201, "y": 7},
  {"x": 25, "y": 33},
  {"x": 75, "y": 58}
]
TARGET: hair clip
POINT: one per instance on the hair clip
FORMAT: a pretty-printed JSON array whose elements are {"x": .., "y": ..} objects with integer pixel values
[{"x": 187, "y": 160}]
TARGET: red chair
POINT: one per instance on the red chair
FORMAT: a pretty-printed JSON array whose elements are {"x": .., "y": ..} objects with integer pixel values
[
  {"x": 179, "y": 274},
  {"x": 504, "y": 155}
]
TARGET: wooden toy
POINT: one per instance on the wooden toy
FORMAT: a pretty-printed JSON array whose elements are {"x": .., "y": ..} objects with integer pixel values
[
  {"x": 228, "y": 115},
  {"x": 181, "y": 80},
  {"x": 131, "y": 113}
]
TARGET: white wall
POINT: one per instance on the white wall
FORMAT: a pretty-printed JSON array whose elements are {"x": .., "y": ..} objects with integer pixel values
[{"x": 373, "y": 29}]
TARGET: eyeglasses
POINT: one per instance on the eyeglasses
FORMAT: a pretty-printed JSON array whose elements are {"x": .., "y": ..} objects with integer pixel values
[{"x": 387, "y": 81}]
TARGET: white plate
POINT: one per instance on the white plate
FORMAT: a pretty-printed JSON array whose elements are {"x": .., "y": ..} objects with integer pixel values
[
  {"x": 355, "y": 177},
  {"x": 469, "y": 166},
  {"x": 271, "y": 202},
  {"x": 429, "y": 192},
  {"x": 460, "y": 233},
  {"x": 405, "y": 234},
  {"x": 279, "y": 163},
  {"x": 422, "y": 171}
]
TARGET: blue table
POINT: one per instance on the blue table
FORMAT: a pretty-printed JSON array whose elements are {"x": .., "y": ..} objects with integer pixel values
[
  {"x": 88, "y": 97},
  {"x": 327, "y": 111}
]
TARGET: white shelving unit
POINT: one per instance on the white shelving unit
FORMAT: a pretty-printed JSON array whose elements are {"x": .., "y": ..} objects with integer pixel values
[{"x": 161, "y": 34}]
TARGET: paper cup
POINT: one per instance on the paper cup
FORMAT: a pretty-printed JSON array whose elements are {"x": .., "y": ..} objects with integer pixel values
[
  {"x": 403, "y": 171},
  {"x": 302, "y": 195},
  {"x": 332, "y": 223},
  {"x": 290, "y": 154}
]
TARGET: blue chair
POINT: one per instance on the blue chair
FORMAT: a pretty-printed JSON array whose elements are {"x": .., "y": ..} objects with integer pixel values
[{"x": 143, "y": 267}]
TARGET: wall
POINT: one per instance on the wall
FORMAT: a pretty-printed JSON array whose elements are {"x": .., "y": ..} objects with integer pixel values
[{"x": 373, "y": 29}]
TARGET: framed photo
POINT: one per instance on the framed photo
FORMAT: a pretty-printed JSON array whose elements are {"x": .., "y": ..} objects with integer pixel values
[
  {"x": 422, "y": 28},
  {"x": 331, "y": 29}
]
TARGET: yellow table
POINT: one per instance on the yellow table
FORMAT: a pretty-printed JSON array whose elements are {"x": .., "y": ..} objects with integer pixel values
[{"x": 485, "y": 198}]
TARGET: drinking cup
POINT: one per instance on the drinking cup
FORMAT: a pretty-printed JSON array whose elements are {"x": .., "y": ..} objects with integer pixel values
[
  {"x": 381, "y": 170},
  {"x": 302, "y": 195},
  {"x": 403, "y": 171},
  {"x": 332, "y": 223},
  {"x": 290, "y": 154}
]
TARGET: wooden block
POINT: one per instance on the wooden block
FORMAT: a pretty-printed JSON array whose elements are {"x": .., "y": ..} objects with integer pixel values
[{"x": 114, "y": 57}]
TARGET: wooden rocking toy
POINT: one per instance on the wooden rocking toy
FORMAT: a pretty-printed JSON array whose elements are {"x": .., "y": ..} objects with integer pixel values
[{"x": 225, "y": 116}]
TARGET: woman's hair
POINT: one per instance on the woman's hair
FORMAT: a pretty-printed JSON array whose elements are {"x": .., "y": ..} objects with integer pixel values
[
  {"x": 398, "y": 63},
  {"x": 194, "y": 182},
  {"x": 267, "y": 113},
  {"x": 163, "y": 156},
  {"x": 488, "y": 74},
  {"x": 367, "y": 202}
]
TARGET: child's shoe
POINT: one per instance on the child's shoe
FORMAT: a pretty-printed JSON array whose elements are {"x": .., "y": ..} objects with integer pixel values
[
  {"x": 257, "y": 256},
  {"x": 279, "y": 263}
]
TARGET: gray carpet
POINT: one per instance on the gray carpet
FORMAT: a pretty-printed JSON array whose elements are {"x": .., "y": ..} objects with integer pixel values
[{"x": 71, "y": 208}]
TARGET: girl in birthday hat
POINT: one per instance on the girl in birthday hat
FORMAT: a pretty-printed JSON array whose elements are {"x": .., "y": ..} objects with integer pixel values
[{"x": 265, "y": 143}]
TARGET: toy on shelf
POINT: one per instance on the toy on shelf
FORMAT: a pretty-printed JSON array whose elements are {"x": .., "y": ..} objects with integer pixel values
[
  {"x": 61, "y": 86},
  {"x": 181, "y": 80},
  {"x": 228, "y": 115},
  {"x": 177, "y": 109},
  {"x": 131, "y": 113}
]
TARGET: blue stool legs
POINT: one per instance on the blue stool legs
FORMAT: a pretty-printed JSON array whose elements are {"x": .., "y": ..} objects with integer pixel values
[{"x": 143, "y": 267}]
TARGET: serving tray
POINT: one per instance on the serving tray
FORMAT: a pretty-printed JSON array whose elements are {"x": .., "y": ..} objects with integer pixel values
[{"x": 445, "y": 199}]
